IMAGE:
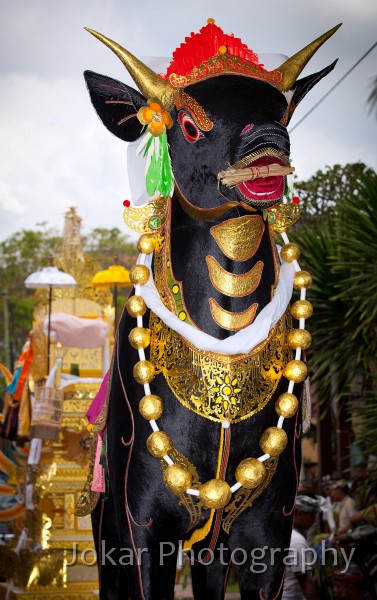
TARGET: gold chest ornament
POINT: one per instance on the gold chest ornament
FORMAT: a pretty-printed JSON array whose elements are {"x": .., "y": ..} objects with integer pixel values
[{"x": 218, "y": 386}]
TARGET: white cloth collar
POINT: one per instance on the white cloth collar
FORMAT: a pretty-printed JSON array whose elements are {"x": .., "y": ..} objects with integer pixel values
[{"x": 244, "y": 340}]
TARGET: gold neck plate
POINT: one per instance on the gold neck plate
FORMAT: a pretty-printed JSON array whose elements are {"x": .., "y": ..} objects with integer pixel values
[{"x": 239, "y": 238}]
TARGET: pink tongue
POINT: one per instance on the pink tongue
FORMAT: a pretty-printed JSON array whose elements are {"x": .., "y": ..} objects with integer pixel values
[{"x": 270, "y": 187}]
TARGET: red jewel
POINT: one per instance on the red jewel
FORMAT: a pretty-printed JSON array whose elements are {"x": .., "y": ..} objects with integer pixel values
[
  {"x": 296, "y": 200},
  {"x": 126, "y": 203}
]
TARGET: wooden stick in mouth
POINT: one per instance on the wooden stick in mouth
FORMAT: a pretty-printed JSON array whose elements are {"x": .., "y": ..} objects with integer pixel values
[{"x": 232, "y": 177}]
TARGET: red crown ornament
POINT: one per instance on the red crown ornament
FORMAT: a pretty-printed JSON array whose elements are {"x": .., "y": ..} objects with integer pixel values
[{"x": 212, "y": 52}]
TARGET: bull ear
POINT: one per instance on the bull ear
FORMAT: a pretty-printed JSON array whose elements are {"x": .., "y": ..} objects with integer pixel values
[
  {"x": 116, "y": 104},
  {"x": 304, "y": 85}
]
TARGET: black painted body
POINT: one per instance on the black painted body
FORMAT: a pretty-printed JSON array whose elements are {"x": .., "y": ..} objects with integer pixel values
[{"x": 142, "y": 511}]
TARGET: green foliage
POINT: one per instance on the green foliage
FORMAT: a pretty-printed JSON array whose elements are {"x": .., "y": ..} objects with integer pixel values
[
  {"x": 322, "y": 194},
  {"x": 105, "y": 245},
  {"x": 339, "y": 247}
]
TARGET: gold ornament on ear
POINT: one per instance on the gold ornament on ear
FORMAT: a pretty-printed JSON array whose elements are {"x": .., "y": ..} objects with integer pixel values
[{"x": 147, "y": 218}]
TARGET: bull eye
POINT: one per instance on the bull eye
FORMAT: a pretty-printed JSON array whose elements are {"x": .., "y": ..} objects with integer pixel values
[{"x": 189, "y": 128}]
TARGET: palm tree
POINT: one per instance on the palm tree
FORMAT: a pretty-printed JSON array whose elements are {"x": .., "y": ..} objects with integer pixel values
[
  {"x": 340, "y": 252},
  {"x": 372, "y": 98},
  {"x": 357, "y": 250}
]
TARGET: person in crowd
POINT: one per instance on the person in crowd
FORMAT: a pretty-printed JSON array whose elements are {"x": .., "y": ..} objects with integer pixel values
[
  {"x": 299, "y": 581},
  {"x": 346, "y": 506},
  {"x": 368, "y": 514}
]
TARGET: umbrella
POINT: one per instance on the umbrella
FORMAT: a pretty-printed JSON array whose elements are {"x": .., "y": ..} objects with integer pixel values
[
  {"x": 48, "y": 278},
  {"x": 114, "y": 276}
]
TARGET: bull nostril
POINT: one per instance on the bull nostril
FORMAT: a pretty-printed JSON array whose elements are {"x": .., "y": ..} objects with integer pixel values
[{"x": 246, "y": 129}]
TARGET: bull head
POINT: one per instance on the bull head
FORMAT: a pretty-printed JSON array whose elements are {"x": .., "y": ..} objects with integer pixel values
[{"x": 237, "y": 118}]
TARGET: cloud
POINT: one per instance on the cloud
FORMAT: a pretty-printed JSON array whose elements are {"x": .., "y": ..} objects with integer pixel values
[{"x": 55, "y": 153}]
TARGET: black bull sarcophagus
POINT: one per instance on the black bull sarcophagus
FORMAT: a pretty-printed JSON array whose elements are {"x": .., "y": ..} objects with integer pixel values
[{"x": 200, "y": 429}]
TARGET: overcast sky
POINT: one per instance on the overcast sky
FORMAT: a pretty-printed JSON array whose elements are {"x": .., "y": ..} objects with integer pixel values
[{"x": 55, "y": 153}]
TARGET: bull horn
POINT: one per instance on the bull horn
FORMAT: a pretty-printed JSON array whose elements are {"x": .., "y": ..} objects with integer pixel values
[
  {"x": 149, "y": 83},
  {"x": 293, "y": 66}
]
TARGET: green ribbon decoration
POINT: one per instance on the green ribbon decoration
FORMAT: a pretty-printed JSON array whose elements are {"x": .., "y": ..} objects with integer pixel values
[{"x": 159, "y": 175}]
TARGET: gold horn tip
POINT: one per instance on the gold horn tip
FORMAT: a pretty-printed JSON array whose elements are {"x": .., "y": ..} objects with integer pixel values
[{"x": 293, "y": 66}]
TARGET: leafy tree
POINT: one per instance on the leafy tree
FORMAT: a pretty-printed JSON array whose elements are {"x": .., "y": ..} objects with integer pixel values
[
  {"x": 357, "y": 248},
  {"x": 322, "y": 194},
  {"x": 339, "y": 249},
  {"x": 107, "y": 244}
]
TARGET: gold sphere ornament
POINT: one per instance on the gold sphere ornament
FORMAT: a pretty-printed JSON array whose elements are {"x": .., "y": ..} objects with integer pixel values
[
  {"x": 139, "y": 274},
  {"x": 250, "y": 473},
  {"x": 302, "y": 279},
  {"x": 302, "y": 309},
  {"x": 273, "y": 441},
  {"x": 151, "y": 407},
  {"x": 139, "y": 337},
  {"x": 215, "y": 493},
  {"x": 136, "y": 306},
  {"x": 159, "y": 444},
  {"x": 177, "y": 478},
  {"x": 286, "y": 405},
  {"x": 144, "y": 371},
  {"x": 299, "y": 338},
  {"x": 146, "y": 244},
  {"x": 296, "y": 371},
  {"x": 290, "y": 252}
]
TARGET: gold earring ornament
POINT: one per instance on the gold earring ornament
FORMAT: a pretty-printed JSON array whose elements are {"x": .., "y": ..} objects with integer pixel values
[
  {"x": 290, "y": 252},
  {"x": 139, "y": 337},
  {"x": 299, "y": 338},
  {"x": 286, "y": 405}
]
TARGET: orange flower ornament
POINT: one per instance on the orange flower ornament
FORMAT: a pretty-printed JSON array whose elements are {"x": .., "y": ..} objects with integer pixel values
[{"x": 156, "y": 118}]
